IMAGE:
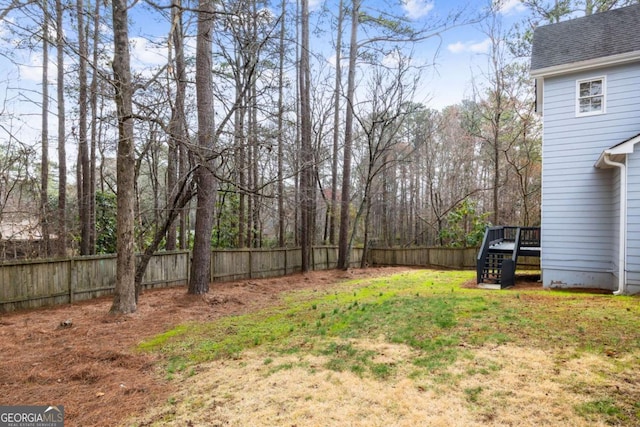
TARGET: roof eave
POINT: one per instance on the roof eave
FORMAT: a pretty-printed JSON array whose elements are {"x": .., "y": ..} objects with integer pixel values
[
  {"x": 618, "y": 152},
  {"x": 602, "y": 164},
  {"x": 572, "y": 67}
]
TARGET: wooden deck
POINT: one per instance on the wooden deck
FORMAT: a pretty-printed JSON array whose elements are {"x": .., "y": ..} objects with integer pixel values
[
  {"x": 509, "y": 247},
  {"x": 499, "y": 253}
]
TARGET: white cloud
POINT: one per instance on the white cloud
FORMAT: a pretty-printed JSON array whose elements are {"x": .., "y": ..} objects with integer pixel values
[
  {"x": 332, "y": 60},
  {"x": 472, "y": 46},
  {"x": 314, "y": 4},
  {"x": 3, "y": 26},
  {"x": 481, "y": 47},
  {"x": 456, "y": 47},
  {"x": 508, "y": 7},
  {"x": 393, "y": 59},
  {"x": 146, "y": 53},
  {"x": 31, "y": 70},
  {"x": 416, "y": 9},
  {"x": 106, "y": 30}
]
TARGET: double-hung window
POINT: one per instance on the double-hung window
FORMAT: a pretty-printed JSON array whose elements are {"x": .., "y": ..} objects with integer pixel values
[{"x": 591, "y": 96}]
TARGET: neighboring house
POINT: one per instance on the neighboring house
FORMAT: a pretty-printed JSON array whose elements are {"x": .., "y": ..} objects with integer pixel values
[{"x": 587, "y": 72}]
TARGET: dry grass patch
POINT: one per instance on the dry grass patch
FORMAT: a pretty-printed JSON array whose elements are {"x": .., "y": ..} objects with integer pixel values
[
  {"x": 411, "y": 349},
  {"x": 499, "y": 386}
]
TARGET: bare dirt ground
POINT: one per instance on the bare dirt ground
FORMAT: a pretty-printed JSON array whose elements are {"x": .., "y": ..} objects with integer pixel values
[{"x": 91, "y": 366}]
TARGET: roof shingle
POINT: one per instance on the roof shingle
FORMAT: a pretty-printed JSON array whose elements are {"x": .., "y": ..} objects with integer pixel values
[{"x": 595, "y": 36}]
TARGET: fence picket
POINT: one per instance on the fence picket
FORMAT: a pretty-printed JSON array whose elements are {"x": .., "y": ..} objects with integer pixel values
[{"x": 36, "y": 283}]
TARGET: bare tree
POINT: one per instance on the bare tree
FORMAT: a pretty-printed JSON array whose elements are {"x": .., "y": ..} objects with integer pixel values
[
  {"x": 343, "y": 237},
  {"x": 84, "y": 185},
  {"x": 450, "y": 167},
  {"x": 333, "y": 207},
  {"x": 489, "y": 118},
  {"x": 62, "y": 152},
  {"x": 124, "y": 300},
  {"x": 44, "y": 167},
  {"x": 95, "y": 125},
  {"x": 525, "y": 157},
  {"x": 307, "y": 183},
  {"x": 205, "y": 180},
  {"x": 281, "y": 213},
  {"x": 177, "y": 124},
  {"x": 390, "y": 91}
]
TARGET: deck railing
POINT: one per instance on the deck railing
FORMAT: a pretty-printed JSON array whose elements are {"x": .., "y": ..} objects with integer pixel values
[
  {"x": 521, "y": 237},
  {"x": 529, "y": 237}
]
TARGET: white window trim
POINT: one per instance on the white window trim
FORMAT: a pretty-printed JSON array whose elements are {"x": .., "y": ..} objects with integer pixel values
[{"x": 604, "y": 96}]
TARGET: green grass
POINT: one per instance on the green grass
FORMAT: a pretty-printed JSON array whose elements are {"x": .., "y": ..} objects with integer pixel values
[
  {"x": 605, "y": 408},
  {"x": 473, "y": 394},
  {"x": 426, "y": 310},
  {"x": 429, "y": 312}
]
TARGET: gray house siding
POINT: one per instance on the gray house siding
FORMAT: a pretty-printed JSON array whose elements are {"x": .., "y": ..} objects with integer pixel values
[
  {"x": 579, "y": 202},
  {"x": 615, "y": 218},
  {"x": 633, "y": 221}
]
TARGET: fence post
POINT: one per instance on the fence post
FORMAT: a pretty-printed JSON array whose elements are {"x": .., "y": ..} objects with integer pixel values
[
  {"x": 189, "y": 266},
  {"x": 326, "y": 256},
  {"x": 72, "y": 268},
  {"x": 286, "y": 255},
  {"x": 212, "y": 262}
]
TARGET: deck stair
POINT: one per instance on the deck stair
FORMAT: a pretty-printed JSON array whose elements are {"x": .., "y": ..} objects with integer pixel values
[{"x": 498, "y": 255}]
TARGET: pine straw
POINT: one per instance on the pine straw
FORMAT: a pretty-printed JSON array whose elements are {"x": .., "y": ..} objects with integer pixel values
[
  {"x": 94, "y": 370},
  {"x": 495, "y": 386},
  {"x": 92, "y": 367}
]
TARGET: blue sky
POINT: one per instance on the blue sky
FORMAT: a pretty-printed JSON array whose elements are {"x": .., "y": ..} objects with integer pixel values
[
  {"x": 461, "y": 52},
  {"x": 454, "y": 55},
  {"x": 464, "y": 54}
]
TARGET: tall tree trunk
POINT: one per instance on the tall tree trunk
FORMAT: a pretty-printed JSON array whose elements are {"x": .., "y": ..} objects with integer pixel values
[
  {"x": 124, "y": 300},
  {"x": 297, "y": 162},
  {"x": 255, "y": 150},
  {"x": 343, "y": 240},
  {"x": 249, "y": 167},
  {"x": 240, "y": 162},
  {"x": 496, "y": 175},
  {"x": 386, "y": 205},
  {"x": 93, "y": 101},
  {"x": 183, "y": 166},
  {"x": 205, "y": 181},
  {"x": 44, "y": 170},
  {"x": 281, "y": 216},
  {"x": 240, "y": 151},
  {"x": 62, "y": 153},
  {"x": 176, "y": 125},
  {"x": 255, "y": 217},
  {"x": 306, "y": 151},
  {"x": 84, "y": 203},
  {"x": 333, "y": 206},
  {"x": 365, "y": 246}
]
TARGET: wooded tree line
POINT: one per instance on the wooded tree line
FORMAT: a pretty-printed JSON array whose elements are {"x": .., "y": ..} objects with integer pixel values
[{"x": 230, "y": 128}]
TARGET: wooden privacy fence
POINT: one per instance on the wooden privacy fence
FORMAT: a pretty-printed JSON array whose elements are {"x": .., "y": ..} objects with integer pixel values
[
  {"x": 36, "y": 283},
  {"x": 461, "y": 258},
  {"x": 438, "y": 257},
  {"x": 236, "y": 264},
  {"x": 30, "y": 284}
]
